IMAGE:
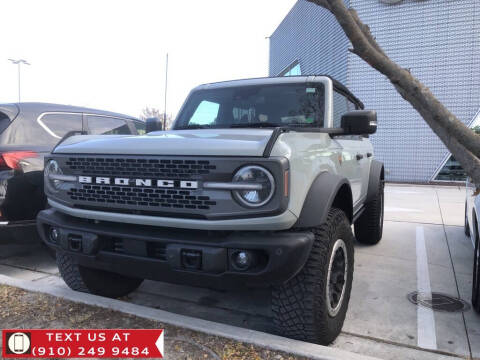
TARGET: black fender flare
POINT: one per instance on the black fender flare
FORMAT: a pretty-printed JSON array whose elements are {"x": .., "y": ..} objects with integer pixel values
[
  {"x": 377, "y": 174},
  {"x": 320, "y": 198}
]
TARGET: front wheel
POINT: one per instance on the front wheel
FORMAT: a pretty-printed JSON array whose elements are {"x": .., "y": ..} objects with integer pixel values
[
  {"x": 98, "y": 282},
  {"x": 312, "y": 305}
]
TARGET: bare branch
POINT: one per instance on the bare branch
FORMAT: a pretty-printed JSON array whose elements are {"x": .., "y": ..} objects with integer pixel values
[
  {"x": 462, "y": 142},
  {"x": 366, "y": 31}
]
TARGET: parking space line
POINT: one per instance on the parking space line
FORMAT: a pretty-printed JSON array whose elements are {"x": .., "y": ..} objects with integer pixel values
[
  {"x": 454, "y": 274},
  {"x": 415, "y": 222},
  {"x": 426, "y": 335}
]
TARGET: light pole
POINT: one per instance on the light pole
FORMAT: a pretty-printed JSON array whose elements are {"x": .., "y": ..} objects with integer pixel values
[
  {"x": 19, "y": 63},
  {"x": 165, "y": 105}
]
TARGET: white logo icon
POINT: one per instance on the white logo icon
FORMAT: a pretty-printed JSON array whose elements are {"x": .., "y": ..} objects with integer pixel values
[{"x": 19, "y": 343}]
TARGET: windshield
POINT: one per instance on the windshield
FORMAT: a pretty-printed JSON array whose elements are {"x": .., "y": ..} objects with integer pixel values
[{"x": 254, "y": 106}]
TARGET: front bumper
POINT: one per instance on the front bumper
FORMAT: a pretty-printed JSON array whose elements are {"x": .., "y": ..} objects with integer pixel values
[
  {"x": 283, "y": 221},
  {"x": 156, "y": 253}
]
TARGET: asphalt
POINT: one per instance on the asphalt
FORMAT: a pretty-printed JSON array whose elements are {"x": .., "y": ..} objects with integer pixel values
[{"x": 423, "y": 249}]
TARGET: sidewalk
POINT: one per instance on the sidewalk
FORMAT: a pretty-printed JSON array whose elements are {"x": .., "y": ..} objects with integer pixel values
[{"x": 22, "y": 309}]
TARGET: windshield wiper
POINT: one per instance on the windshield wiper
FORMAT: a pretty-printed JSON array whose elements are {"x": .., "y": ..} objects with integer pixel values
[
  {"x": 191, "y": 127},
  {"x": 302, "y": 125},
  {"x": 269, "y": 125},
  {"x": 255, "y": 125}
]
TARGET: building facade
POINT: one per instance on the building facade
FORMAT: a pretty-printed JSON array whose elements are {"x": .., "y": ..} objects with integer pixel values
[{"x": 438, "y": 40}]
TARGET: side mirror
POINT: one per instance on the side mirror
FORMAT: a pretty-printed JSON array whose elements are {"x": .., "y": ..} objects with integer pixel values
[
  {"x": 359, "y": 122},
  {"x": 153, "y": 124}
]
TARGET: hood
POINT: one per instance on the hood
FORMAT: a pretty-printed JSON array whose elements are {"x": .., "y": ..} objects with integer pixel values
[{"x": 203, "y": 142}]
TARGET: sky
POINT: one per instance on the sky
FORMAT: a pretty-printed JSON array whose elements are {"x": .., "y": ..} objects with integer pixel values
[{"x": 110, "y": 54}]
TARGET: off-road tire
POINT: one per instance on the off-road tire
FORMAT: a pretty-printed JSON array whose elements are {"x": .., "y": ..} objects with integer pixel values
[
  {"x": 93, "y": 281},
  {"x": 466, "y": 227},
  {"x": 369, "y": 226},
  {"x": 476, "y": 269},
  {"x": 300, "y": 309}
]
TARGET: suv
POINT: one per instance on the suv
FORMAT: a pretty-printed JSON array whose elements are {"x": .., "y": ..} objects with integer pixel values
[
  {"x": 28, "y": 132},
  {"x": 257, "y": 185}
]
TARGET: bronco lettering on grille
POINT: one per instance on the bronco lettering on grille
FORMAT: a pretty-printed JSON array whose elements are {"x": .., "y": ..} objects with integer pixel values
[{"x": 183, "y": 184}]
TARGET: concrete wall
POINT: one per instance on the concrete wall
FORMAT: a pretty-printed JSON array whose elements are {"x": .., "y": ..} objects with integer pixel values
[{"x": 439, "y": 40}]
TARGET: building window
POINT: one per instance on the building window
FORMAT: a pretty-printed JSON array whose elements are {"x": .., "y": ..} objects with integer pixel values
[
  {"x": 292, "y": 70},
  {"x": 452, "y": 170}
]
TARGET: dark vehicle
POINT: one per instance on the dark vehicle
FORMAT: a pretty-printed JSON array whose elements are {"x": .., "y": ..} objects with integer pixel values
[{"x": 29, "y": 131}]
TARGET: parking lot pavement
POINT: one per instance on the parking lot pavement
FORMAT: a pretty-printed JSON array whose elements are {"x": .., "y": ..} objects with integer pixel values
[{"x": 423, "y": 249}]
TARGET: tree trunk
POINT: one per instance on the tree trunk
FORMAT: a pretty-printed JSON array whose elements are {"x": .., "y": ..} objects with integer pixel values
[{"x": 463, "y": 143}]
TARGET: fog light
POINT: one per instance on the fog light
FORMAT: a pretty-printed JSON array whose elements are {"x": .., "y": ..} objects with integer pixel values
[
  {"x": 54, "y": 234},
  {"x": 242, "y": 260}
]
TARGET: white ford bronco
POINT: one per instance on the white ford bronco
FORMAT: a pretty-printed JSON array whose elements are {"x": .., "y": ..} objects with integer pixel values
[{"x": 256, "y": 185}]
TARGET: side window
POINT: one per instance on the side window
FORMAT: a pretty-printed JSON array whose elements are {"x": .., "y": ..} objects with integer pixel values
[
  {"x": 58, "y": 125},
  {"x": 4, "y": 122},
  {"x": 340, "y": 107},
  {"x": 351, "y": 106},
  {"x": 140, "y": 126},
  {"x": 103, "y": 125},
  {"x": 205, "y": 114}
]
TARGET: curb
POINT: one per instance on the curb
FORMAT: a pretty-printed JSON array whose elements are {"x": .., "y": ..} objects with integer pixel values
[{"x": 272, "y": 342}]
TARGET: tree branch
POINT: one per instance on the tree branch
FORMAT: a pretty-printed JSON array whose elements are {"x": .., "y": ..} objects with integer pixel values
[{"x": 462, "y": 142}]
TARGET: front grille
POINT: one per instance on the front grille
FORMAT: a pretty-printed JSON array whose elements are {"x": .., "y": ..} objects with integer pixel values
[
  {"x": 157, "y": 168},
  {"x": 160, "y": 185},
  {"x": 136, "y": 196}
]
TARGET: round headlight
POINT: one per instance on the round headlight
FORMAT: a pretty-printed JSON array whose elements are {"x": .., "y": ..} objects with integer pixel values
[
  {"x": 254, "y": 175},
  {"x": 52, "y": 168}
]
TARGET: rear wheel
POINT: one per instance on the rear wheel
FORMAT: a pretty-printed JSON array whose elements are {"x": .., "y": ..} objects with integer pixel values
[
  {"x": 466, "y": 227},
  {"x": 98, "y": 282},
  {"x": 369, "y": 226},
  {"x": 476, "y": 269},
  {"x": 313, "y": 304}
]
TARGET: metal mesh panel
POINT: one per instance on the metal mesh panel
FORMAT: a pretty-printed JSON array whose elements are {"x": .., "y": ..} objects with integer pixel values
[
  {"x": 139, "y": 167},
  {"x": 297, "y": 37},
  {"x": 438, "y": 40},
  {"x": 127, "y": 195}
]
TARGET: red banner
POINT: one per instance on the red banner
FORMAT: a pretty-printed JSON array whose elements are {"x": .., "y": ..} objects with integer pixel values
[{"x": 119, "y": 343}]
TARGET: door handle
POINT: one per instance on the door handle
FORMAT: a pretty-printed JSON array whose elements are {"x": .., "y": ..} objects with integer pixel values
[
  {"x": 369, "y": 154},
  {"x": 359, "y": 156}
]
